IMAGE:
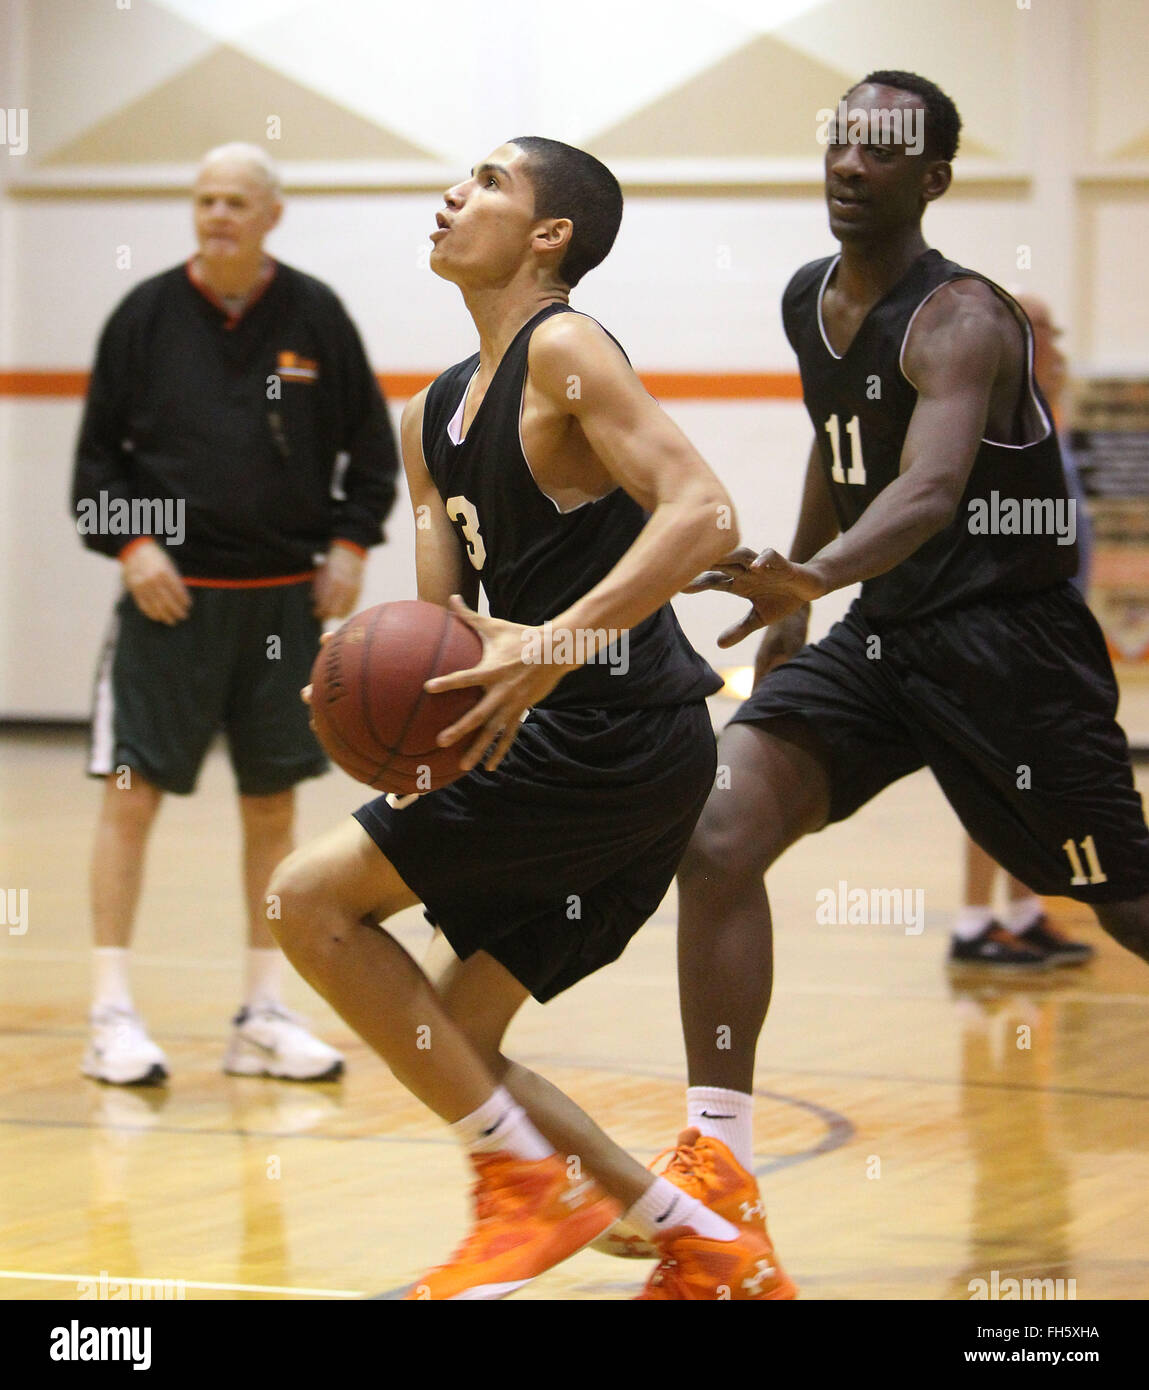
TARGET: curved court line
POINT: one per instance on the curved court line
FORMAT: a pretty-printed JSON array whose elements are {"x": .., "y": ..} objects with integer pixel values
[{"x": 839, "y": 1130}]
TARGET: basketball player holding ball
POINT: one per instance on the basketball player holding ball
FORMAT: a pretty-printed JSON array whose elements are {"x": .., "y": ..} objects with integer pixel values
[{"x": 541, "y": 469}]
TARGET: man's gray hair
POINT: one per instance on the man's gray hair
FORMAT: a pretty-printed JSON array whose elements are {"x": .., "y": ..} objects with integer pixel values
[{"x": 256, "y": 159}]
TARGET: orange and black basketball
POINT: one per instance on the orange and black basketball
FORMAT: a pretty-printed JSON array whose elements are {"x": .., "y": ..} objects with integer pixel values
[{"x": 368, "y": 704}]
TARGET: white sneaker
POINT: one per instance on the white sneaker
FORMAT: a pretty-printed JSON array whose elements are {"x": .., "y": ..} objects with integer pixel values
[
  {"x": 270, "y": 1040},
  {"x": 120, "y": 1051}
]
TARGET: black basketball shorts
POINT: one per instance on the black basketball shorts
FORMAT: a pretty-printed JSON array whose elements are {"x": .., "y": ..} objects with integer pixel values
[
  {"x": 553, "y": 861},
  {"x": 237, "y": 663},
  {"x": 1011, "y": 704}
]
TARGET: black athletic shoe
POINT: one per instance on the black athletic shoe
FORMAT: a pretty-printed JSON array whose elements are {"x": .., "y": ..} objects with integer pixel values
[
  {"x": 1059, "y": 949},
  {"x": 999, "y": 949}
]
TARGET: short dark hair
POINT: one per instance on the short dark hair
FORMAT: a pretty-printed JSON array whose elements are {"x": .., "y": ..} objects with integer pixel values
[
  {"x": 943, "y": 124},
  {"x": 571, "y": 183}
]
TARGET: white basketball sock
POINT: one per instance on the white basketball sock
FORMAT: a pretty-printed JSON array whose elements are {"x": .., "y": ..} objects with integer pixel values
[
  {"x": 971, "y": 922},
  {"x": 724, "y": 1115},
  {"x": 1022, "y": 914},
  {"x": 110, "y": 988},
  {"x": 501, "y": 1123},
  {"x": 264, "y": 973},
  {"x": 663, "y": 1206}
]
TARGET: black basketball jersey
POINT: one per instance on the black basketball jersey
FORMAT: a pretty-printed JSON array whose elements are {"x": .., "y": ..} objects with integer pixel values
[
  {"x": 535, "y": 560},
  {"x": 1013, "y": 532}
]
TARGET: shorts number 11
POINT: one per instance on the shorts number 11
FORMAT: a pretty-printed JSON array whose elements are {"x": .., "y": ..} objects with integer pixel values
[{"x": 1089, "y": 849}]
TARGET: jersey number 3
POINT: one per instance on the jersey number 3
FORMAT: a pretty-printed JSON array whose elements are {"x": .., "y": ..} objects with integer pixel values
[
  {"x": 461, "y": 510},
  {"x": 857, "y": 473}
]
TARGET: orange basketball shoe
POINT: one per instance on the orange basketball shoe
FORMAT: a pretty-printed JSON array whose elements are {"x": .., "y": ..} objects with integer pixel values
[
  {"x": 529, "y": 1216},
  {"x": 741, "y": 1270},
  {"x": 705, "y": 1169}
]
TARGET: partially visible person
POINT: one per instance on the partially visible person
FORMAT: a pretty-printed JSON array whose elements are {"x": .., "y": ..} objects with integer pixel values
[
  {"x": 967, "y": 650},
  {"x": 1023, "y": 937},
  {"x": 1052, "y": 371},
  {"x": 234, "y": 419}
]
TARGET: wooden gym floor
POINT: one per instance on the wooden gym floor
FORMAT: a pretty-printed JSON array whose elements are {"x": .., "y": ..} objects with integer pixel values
[{"x": 909, "y": 1141}]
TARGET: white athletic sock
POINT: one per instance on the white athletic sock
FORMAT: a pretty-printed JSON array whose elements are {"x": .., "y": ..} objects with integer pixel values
[
  {"x": 501, "y": 1123},
  {"x": 1022, "y": 914},
  {"x": 724, "y": 1115},
  {"x": 110, "y": 978},
  {"x": 971, "y": 922},
  {"x": 663, "y": 1206},
  {"x": 264, "y": 972}
]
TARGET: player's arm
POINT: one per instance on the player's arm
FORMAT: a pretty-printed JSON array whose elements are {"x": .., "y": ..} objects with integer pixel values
[
  {"x": 441, "y": 564},
  {"x": 582, "y": 375},
  {"x": 817, "y": 519},
  {"x": 952, "y": 357},
  {"x": 691, "y": 522},
  {"x": 817, "y": 527}
]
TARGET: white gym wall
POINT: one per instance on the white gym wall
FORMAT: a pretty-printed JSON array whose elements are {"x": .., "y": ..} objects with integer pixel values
[{"x": 707, "y": 111}]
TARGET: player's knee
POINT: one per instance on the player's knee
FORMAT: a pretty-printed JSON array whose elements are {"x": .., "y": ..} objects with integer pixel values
[
  {"x": 721, "y": 850},
  {"x": 298, "y": 906},
  {"x": 131, "y": 808},
  {"x": 699, "y": 864}
]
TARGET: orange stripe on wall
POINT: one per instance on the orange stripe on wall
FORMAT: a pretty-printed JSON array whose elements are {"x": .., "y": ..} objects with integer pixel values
[
  {"x": 400, "y": 386},
  {"x": 43, "y": 383},
  {"x": 724, "y": 386}
]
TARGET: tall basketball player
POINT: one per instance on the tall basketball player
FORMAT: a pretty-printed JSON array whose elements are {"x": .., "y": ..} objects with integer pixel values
[
  {"x": 935, "y": 480},
  {"x": 541, "y": 469}
]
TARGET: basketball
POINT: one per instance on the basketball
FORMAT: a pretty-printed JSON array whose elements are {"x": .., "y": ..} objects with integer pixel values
[{"x": 368, "y": 705}]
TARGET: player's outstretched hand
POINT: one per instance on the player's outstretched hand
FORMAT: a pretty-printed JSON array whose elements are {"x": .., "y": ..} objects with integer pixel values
[
  {"x": 775, "y": 586},
  {"x": 155, "y": 584},
  {"x": 515, "y": 679}
]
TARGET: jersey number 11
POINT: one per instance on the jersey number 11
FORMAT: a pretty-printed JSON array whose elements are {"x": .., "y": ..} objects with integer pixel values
[{"x": 857, "y": 473}]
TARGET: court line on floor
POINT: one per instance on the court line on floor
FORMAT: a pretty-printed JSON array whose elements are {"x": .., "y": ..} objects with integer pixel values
[
  {"x": 538, "y": 1060},
  {"x": 1044, "y": 1090},
  {"x": 1049, "y": 988},
  {"x": 839, "y": 1129},
  {"x": 185, "y": 1283}
]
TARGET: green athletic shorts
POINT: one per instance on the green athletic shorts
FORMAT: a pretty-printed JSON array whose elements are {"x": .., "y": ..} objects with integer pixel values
[{"x": 237, "y": 663}]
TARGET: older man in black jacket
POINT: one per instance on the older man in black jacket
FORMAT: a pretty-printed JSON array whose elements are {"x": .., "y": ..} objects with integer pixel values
[{"x": 237, "y": 459}]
